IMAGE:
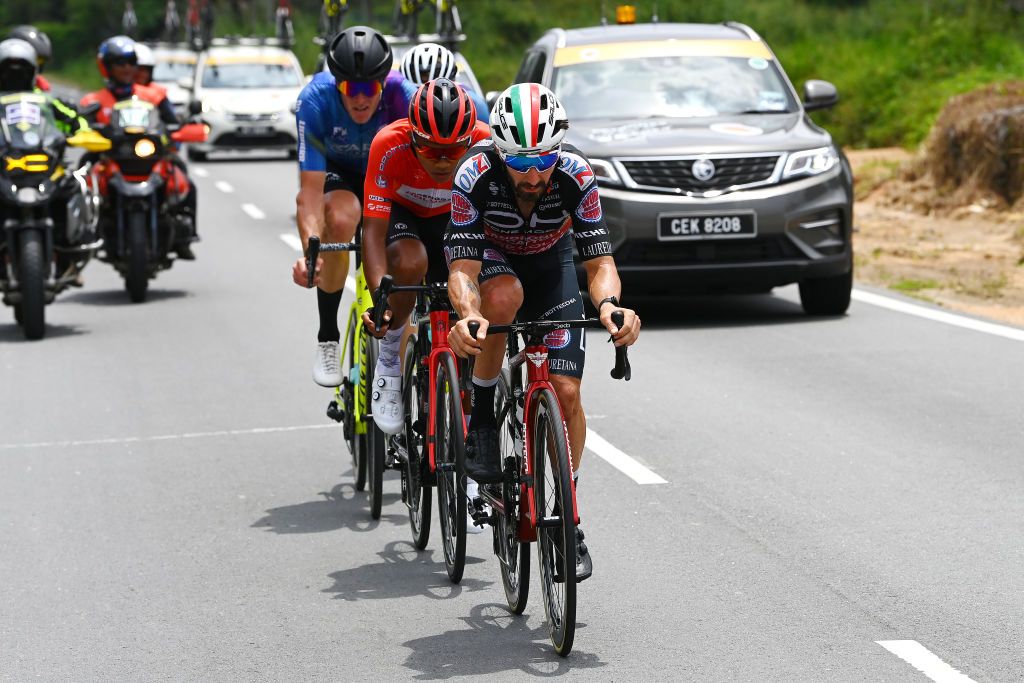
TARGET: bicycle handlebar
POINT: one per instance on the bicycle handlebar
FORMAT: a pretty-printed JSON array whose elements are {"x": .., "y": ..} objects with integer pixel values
[
  {"x": 315, "y": 247},
  {"x": 539, "y": 327},
  {"x": 621, "y": 369}
]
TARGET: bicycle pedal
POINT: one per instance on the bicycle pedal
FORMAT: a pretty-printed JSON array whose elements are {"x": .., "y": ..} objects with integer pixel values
[
  {"x": 334, "y": 412},
  {"x": 478, "y": 504}
]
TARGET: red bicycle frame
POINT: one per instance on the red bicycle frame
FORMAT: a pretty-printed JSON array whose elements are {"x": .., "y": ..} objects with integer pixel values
[{"x": 440, "y": 324}]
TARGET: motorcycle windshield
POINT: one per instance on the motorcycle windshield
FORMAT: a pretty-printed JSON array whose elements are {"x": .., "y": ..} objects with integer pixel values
[
  {"x": 27, "y": 122},
  {"x": 135, "y": 116}
]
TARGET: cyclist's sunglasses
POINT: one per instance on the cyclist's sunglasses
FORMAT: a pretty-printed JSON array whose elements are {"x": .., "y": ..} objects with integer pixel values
[
  {"x": 523, "y": 163},
  {"x": 449, "y": 152},
  {"x": 124, "y": 61},
  {"x": 364, "y": 88}
]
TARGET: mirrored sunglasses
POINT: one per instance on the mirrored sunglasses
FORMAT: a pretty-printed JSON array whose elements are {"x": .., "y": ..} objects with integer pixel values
[
  {"x": 523, "y": 163},
  {"x": 450, "y": 152},
  {"x": 363, "y": 88}
]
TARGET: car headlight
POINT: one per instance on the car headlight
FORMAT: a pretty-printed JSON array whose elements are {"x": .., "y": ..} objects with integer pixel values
[
  {"x": 209, "y": 107},
  {"x": 605, "y": 171},
  {"x": 144, "y": 148},
  {"x": 810, "y": 162}
]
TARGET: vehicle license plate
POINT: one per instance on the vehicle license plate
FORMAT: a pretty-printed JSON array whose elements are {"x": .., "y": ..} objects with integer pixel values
[
  {"x": 256, "y": 130},
  {"x": 706, "y": 226}
]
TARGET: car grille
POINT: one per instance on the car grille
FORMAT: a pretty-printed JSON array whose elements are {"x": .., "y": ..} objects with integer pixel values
[
  {"x": 252, "y": 118},
  {"x": 678, "y": 173},
  {"x": 236, "y": 140},
  {"x": 773, "y": 248}
]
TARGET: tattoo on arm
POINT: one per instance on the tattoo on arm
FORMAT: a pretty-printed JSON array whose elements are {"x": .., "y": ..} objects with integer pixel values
[{"x": 464, "y": 293}]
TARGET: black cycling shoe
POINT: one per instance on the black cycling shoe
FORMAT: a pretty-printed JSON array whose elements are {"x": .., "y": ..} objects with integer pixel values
[
  {"x": 584, "y": 565},
  {"x": 184, "y": 251},
  {"x": 482, "y": 461}
]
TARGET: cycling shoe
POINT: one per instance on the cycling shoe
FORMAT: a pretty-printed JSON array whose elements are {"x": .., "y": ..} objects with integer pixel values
[{"x": 482, "y": 461}]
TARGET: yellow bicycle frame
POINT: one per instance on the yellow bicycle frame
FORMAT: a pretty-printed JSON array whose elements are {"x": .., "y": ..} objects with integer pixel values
[{"x": 362, "y": 303}]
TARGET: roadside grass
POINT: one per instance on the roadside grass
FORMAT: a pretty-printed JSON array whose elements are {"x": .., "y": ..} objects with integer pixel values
[
  {"x": 872, "y": 174},
  {"x": 911, "y": 285}
]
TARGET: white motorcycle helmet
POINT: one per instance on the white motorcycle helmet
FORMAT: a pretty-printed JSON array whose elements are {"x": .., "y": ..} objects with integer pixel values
[
  {"x": 145, "y": 55},
  {"x": 528, "y": 119},
  {"x": 428, "y": 61}
]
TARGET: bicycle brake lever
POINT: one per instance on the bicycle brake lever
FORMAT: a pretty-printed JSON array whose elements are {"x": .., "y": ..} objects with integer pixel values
[
  {"x": 380, "y": 301},
  {"x": 621, "y": 369},
  {"x": 474, "y": 328},
  {"x": 312, "y": 253}
]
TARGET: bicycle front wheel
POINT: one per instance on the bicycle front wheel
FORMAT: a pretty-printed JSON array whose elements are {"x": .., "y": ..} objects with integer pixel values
[
  {"x": 556, "y": 528},
  {"x": 417, "y": 487},
  {"x": 449, "y": 456},
  {"x": 513, "y": 554},
  {"x": 374, "y": 437}
]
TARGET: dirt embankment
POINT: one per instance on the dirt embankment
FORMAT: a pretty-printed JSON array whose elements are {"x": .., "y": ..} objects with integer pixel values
[{"x": 946, "y": 224}]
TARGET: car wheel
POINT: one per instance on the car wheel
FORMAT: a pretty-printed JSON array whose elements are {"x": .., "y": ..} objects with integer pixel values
[
  {"x": 196, "y": 155},
  {"x": 826, "y": 295}
]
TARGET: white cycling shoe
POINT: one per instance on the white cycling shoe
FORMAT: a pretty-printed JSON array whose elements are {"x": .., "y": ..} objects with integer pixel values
[
  {"x": 327, "y": 364},
  {"x": 386, "y": 404}
]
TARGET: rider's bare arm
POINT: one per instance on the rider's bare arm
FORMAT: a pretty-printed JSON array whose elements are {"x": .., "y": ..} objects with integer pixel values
[
  {"x": 375, "y": 262},
  {"x": 464, "y": 294},
  {"x": 309, "y": 217},
  {"x": 603, "y": 282}
]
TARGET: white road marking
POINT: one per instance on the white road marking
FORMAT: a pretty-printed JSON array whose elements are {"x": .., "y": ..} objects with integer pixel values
[
  {"x": 620, "y": 461},
  {"x": 862, "y": 296},
  {"x": 200, "y": 172},
  {"x": 295, "y": 243},
  {"x": 919, "y": 657},
  {"x": 254, "y": 211},
  {"x": 224, "y": 186},
  {"x": 162, "y": 437}
]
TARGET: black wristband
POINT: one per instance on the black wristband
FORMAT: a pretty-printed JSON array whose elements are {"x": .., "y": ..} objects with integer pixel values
[{"x": 614, "y": 300}]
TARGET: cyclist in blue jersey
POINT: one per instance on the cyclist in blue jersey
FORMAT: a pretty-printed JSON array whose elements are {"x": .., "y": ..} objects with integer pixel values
[
  {"x": 429, "y": 61},
  {"x": 338, "y": 115}
]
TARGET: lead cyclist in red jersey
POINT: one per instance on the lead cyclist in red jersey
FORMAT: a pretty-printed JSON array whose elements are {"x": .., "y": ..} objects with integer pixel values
[{"x": 407, "y": 202}]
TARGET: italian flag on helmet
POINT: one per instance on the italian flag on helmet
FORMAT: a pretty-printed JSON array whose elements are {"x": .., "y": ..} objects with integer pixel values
[{"x": 528, "y": 119}]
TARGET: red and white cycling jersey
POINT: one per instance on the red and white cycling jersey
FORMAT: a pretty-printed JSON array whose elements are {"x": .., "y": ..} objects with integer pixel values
[{"x": 394, "y": 174}]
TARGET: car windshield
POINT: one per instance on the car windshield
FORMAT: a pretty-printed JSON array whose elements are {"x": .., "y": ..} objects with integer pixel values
[
  {"x": 170, "y": 72},
  {"x": 250, "y": 75},
  {"x": 672, "y": 86}
]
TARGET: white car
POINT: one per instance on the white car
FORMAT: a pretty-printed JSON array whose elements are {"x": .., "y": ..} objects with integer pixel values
[
  {"x": 173, "y": 64},
  {"x": 247, "y": 94}
]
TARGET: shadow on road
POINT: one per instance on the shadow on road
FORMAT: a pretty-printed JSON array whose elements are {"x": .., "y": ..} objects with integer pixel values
[
  {"x": 721, "y": 310},
  {"x": 341, "y": 508},
  {"x": 12, "y": 333},
  {"x": 403, "y": 573},
  {"x": 119, "y": 297},
  {"x": 496, "y": 641}
]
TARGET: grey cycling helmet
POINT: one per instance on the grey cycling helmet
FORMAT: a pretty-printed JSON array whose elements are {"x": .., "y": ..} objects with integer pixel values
[
  {"x": 359, "y": 53},
  {"x": 428, "y": 61},
  {"x": 17, "y": 65},
  {"x": 39, "y": 41}
]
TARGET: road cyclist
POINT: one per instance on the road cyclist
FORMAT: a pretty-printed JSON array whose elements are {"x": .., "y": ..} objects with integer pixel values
[
  {"x": 428, "y": 61},
  {"x": 519, "y": 202}
]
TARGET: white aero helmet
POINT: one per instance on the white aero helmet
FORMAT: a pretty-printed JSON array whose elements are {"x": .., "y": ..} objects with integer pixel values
[
  {"x": 528, "y": 119},
  {"x": 428, "y": 61},
  {"x": 145, "y": 55}
]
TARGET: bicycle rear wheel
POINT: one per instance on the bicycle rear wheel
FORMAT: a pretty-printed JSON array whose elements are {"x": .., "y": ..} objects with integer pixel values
[
  {"x": 417, "y": 486},
  {"x": 449, "y": 456},
  {"x": 374, "y": 437},
  {"x": 356, "y": 442},
  {"x": 512, "y": 553},
  {"x": 556, "y": 528}
]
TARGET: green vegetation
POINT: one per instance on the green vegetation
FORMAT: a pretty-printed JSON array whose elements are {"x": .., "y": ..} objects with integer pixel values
[
  {"x": 914, "y": 285},
  {"x": 895, "y": 63}
]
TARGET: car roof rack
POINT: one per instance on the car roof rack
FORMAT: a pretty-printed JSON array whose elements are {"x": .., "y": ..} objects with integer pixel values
[
  {"x": 446, "y": 39},
  {"x": 250, "y": 41}
]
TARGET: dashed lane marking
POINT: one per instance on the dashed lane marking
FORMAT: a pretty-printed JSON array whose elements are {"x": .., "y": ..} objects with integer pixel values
[
  {"x": 1006, "y": 331},
  {"x": 224, "y": 186},
  {"x": 918, "y": 656},
  {"x": 254, "y": 211},
  {"x": 200, "y": 172},
  {"x": 162, "y": 437},
  {"x": 620, "y": 461},
  {"x": 295, "y": 243}
]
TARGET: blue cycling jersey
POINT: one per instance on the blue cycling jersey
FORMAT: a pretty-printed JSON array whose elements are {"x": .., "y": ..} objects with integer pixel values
[
  {"x": 327, "y": 132},
  {"x": 482, "y": 112}
]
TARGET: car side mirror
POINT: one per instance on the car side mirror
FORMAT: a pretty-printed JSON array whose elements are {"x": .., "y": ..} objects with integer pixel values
[
  {"x": 195, "y": 107},
  {"x": 819, "y": 95},
  {"x": 491, "y": 97},
  {"x": 185, "y": 83}
]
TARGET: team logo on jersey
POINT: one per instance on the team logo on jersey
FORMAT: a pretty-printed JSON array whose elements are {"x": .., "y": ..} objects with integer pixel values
[
  {"x": 494, "y": 255},
  {"x": 589, "y": 209},
  {"x": 463, "y": 212},
  {"x": 577, "y": 168},
  {"x": 493, "y": 187},
  {"x": 471, "y": 170},
  {"x": 381, "y": 180},
  {"x": 557, "y": 339},
  {"x": 430, "y": 198}
]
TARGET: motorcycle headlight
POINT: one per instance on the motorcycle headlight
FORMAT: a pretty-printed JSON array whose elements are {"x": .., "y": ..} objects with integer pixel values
[
  {"x": 144, "y": 148},
  {"x": 810, "y": 162},
  {"x": 28, "y": 195}
]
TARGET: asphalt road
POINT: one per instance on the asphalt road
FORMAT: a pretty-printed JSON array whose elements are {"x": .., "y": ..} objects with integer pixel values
[{"x": 175, "y": 506}]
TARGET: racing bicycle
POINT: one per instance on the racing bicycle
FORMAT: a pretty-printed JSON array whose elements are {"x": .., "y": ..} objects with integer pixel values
[
  {"x": 536, "y": 500},
  {"x": 351, "y": 403}
]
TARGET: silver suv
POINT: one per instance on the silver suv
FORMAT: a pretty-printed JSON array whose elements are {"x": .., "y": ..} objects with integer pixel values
[{"x": 713, "y": 177}]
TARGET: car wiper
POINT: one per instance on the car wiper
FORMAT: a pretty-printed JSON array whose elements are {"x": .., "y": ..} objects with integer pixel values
[{"x": 763, "y": 111}]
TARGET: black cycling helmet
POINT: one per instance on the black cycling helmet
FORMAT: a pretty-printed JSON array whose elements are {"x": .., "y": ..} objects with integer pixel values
[
  {"x": 359, "y": 53},
  {"x": 39, "y": 41},
  {"x": 442, "y": 113}
]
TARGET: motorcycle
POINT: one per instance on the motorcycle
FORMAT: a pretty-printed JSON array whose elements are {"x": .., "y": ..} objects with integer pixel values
[
  {"x": 145, "y": 211},
  {"x": 49, "y": 216}
]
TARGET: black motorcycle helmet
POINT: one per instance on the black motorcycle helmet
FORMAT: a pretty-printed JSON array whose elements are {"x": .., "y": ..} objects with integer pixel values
[
  {"x": 39, "y": 41},
  {"x": 17, "y": 66},
  {"x": 359, "y": 53}
]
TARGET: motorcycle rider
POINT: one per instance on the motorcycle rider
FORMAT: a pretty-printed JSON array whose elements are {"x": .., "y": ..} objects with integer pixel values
[
  {"x": 117, "y": 60},
  {"x": 428, "y": 61},
  {"x": 146, "y": 59},
  {"x": 40, "y": 42}
]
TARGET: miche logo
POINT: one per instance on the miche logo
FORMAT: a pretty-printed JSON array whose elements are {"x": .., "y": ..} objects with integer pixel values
[
  {"x": 591, "y": 233},
  {"x": 537, "y": 359},
  {"x": 589, "y": 209},
  {"x": 577, "y": 168},
  {"x": 471, "y": 170}
]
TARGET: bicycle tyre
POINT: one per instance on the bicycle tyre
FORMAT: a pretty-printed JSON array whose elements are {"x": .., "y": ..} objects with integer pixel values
[
  {"x": 357, "y": 442},
  {"x": 374, "y": 437},
  {"x": 556, "y": 545},
  {"x": 417, "y": 488},
  {"x": 450, "y": 457},
  {"x": 514, "y": 555}
]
